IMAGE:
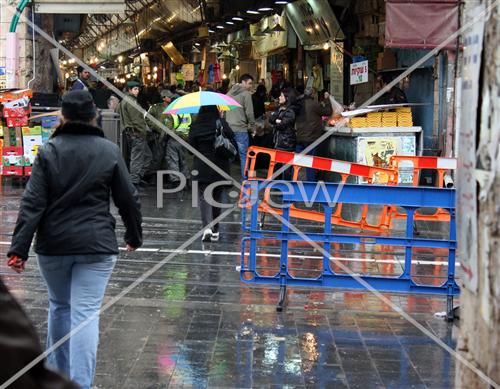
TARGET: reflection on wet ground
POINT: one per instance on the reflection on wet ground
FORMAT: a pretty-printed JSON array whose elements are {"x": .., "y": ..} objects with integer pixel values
[{"x": 193, "y": 324}]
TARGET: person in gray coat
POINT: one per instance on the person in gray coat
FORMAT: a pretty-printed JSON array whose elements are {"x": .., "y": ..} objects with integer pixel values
[{"x": 241, "y": 120}]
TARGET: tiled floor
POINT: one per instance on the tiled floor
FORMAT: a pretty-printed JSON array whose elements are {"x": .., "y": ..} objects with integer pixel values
[{"x": 193, "y": 324}]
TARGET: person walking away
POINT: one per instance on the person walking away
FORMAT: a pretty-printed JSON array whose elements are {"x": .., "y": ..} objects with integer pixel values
[
  {"x": 241, "y": 120},
  {"x": 158, "y": 136},
  {"x": 283, "y": 120},
  {"x": 82, "y": 82},
  {"x": 258, "y": 99},
  {"x": 135, "y": 129},
  {"x": 202, "y": 138},
  {"x": 309, "y": 124},
  {"x": 175, "y": 153},
  {"x": 67, "y": 203}
]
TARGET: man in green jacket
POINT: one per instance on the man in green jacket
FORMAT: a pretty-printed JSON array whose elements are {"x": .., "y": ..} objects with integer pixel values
[
  {"x": 158, "y": 137},
  {"x": 135, "y": 129}
]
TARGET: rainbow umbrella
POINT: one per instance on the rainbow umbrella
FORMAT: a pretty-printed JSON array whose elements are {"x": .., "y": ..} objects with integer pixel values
[{"x": 192, "y": 102}]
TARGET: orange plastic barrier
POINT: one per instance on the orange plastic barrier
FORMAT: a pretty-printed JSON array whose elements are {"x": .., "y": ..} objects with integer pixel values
[
  {"x": 372, "y": 174},
  {"x": 440, "y": 165},
  {"x": 298, "y": 161}
]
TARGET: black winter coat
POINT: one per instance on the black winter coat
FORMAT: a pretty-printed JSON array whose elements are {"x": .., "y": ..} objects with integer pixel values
[
  {"x": 19, "y": 345},
  {"x": 67, "y": 199},
  {"x": 202, "y": 138},
  {"x": 284, "y": 132}
]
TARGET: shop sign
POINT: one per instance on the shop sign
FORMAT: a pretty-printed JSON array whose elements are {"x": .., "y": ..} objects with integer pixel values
[
  {"x": 188, "y": 72},
  {"x": 359, "y": 72},
  {"x": 269, "y": 42},
  {"x": 337, "y": 72},
  {"x": 313, "y": 21},
  {"x": 467, "y": 235},
  {"x": 3, "y": 78}
]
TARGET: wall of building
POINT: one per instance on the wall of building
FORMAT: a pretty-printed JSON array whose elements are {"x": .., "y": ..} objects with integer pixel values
[
  {"x": 6, "y": 13},
  {"x": 479, "y": 340}
]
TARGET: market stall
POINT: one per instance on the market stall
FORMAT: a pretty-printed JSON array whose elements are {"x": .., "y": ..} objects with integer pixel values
[{"x": 373, "y": 138}]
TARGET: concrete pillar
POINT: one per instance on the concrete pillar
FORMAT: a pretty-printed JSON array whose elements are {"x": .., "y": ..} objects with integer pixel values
[{"x": 479, "y": 340}]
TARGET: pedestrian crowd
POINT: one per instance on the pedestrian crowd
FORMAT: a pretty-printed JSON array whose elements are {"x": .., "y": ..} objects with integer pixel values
[{"x": 78, "y": 171}]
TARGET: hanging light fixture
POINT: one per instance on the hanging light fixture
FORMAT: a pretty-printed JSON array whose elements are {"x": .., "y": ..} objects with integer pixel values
[
  {"x": 277, "y": 28},
  {"x": 223, "y": 44},
  {"x": 195, "y": 50}
]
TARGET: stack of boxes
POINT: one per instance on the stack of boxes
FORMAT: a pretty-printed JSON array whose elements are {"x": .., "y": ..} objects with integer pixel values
[
  {"x": 389, "y": 119},
  {"x": 15, "y": 112},
  {"x": 401, "y": 117},
  {"x": 405, "y": 118},
  {"x": 19, "y": 143}
]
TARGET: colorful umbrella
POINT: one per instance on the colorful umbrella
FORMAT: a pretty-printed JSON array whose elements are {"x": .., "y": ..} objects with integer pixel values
[{"x": 192, "y": 102}]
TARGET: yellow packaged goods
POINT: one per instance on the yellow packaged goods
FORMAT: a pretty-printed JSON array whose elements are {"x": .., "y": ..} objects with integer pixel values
[
  {"x": 403, "y": 110},
  {"x": 405, "y": 119},
  {"x": 358, "y": 122},
  {"x": 374, "y": 119}
]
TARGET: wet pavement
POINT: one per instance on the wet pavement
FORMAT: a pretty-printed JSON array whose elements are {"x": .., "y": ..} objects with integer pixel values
[{"x": 193, "y": 324}]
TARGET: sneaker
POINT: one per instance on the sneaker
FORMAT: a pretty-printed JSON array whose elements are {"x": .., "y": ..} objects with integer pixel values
[
  {"x": 207, "y": 235},
  {"x": 215, "y": 236}
]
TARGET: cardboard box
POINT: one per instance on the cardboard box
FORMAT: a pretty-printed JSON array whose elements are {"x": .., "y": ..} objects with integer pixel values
[
  {"x": 30, "y": 145},
  {"x": 17, "y": 112},
  {"x": 12, "y": 171},
  {"x": 46, "y": 134},
  {"x": 17, "y": 122},
  {"x": 12, "y": 156},
  {"x": 27, "y": 131},
  {"x": 19, "y": 136},
  {"x": 50, "y": 121}
]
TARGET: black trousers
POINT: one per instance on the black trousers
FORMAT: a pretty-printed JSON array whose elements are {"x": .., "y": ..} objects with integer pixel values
[{"x": 206, "y": 200}]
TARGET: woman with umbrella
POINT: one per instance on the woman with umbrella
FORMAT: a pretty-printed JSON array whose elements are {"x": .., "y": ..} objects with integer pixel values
[{"x": 202, "y": 137}]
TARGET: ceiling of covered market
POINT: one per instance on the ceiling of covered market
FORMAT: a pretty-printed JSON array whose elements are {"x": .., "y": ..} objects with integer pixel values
[{"x": 163, "y": 20}]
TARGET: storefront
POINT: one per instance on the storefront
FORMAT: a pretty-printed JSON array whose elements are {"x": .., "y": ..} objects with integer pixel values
[{"x": 320, "y": 34}]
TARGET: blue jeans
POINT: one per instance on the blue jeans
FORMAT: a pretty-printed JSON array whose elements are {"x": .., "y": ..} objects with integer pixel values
[
  {"x": 76, "y": 285},
  {"x": 243, "y": 141},
  {"x": 310, "y": 173}
]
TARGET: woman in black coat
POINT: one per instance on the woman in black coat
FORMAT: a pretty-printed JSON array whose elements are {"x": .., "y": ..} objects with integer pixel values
[
  {"x": 202, "y": 138},
  {"x": 283, "y": 120}
]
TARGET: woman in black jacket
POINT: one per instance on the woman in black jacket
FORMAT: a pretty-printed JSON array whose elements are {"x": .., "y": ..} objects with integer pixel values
[
  {"x": 202, "y": 138},
  {"x": 283, "y": 120},
  {"x": 67, "y": 203}
]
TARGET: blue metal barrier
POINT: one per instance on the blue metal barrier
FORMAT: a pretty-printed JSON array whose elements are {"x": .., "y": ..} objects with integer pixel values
[{"x": 408, "y": 198}]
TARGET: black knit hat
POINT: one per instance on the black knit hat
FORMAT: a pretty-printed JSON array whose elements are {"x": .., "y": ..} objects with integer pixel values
[{"x": 78, "y": 105}]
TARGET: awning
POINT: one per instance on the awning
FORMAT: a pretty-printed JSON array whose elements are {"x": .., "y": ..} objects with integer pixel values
[
  {"x": 420, "y": 24},
  {"x": 314, "y": 22}
]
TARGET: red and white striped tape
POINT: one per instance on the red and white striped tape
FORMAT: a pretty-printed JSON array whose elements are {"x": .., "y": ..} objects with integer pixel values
[
  {"x": 438, "y": 163},
  {"x": 332, "y": 165}
]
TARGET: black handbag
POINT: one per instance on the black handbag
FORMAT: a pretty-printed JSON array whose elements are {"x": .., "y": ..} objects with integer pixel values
[{"x": 224, "y": 148}]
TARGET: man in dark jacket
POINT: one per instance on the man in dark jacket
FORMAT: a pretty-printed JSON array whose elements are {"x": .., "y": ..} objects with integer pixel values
[
  {"x": 136, "y": 130},
  {"x": 309, "y": 124},
  {"x": 67, "y": 203}
]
